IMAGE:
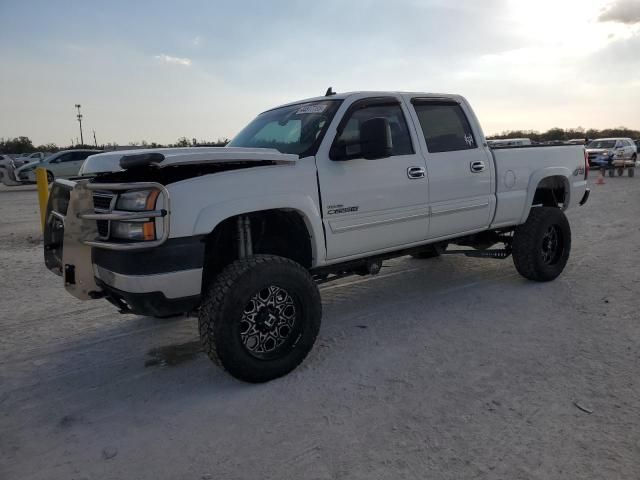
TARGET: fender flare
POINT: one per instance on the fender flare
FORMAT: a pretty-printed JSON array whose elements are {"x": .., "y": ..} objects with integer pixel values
[
  {"x": 212, "y": 215},
  {"x": 535, "y": 179}
]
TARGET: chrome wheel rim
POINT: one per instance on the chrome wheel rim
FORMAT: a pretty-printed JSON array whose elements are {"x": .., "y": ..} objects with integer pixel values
[
  {"x": 268, "y": 322},
  {"x": 551, "y": 245}
]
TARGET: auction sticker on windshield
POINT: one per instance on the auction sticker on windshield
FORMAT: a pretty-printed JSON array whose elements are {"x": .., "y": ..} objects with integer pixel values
[{"x": 311, "y": 109}]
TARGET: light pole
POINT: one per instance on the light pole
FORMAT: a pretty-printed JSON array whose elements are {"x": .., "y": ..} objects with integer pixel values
[{"x": 79, "y": 117}]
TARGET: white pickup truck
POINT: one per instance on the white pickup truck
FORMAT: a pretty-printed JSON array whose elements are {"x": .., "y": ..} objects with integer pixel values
[{"x": 306, "y": 193}]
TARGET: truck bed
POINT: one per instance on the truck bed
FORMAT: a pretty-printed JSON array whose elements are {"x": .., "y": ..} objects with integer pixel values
[{"x": 519, "y": 169}]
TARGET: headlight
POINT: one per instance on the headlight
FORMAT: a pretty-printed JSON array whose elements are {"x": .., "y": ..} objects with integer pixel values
[
  {"x": 605, "y": 153},
  {"x": 137, "y": 200},
  {"x": 133, "y": 230}
]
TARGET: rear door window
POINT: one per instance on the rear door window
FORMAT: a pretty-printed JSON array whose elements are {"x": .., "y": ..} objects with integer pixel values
[{"x": 444, "y": 125}]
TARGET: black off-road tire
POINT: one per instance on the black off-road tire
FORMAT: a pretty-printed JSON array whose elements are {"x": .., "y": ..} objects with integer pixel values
[
  {"x": 224, "y": 304},
  {"x": 431, "y": 251},
  {"x": 529, "y": 239}
]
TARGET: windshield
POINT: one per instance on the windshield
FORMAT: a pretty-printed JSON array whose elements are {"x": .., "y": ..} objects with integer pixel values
[
  {"x": 296, "y": 129},
  {"x": 602, "y": 144}
]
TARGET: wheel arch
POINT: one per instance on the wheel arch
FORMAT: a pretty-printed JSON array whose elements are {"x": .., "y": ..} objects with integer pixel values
[
  {"x": 286, "y": 232},
  {"x": 549, "y": 187}
]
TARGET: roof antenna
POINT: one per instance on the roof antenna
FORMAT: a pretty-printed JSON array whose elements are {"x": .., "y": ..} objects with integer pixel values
[{"x": 329, "y": 92}]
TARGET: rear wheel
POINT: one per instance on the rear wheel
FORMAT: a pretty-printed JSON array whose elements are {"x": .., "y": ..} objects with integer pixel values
[
  {"x": 260, "y": 317},
  {"x": 542, "y": 244}
]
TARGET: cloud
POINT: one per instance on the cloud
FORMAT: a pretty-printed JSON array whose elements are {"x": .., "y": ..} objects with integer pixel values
[
  {"x": 164, "y": 58},
  {"x": 622, "y": 11},
  {"x": 197, "y": 41}
]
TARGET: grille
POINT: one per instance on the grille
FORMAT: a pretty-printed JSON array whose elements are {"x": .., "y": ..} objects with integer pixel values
[
  {"x": 103, "y": 228},
  {"x": 102, "y": 203}
]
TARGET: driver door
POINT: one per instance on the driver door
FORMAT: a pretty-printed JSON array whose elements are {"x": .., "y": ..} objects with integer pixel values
[{"x": 372, "y": 205}]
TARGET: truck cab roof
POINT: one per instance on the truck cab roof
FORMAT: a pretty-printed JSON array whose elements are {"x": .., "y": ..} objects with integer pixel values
[{"x": 372, "y": 93}]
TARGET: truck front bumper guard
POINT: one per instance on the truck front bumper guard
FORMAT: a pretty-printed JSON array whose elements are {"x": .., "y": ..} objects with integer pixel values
[{"x": 71, "y": 230}]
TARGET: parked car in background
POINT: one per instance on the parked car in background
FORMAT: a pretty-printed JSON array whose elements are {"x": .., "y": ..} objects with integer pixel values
[
  {"x": 576, "y": 141},
  {"x": 33, "y": 157},
  {"x": 63, "y": 164},
  {"x": 6, "y": 164},
  {"x": 613, "y": 154}
]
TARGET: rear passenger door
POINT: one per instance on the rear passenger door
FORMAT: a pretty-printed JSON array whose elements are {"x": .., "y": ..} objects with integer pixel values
[
  {"x": 460, "y": 170},
  {"x": 370, "y": 205}
]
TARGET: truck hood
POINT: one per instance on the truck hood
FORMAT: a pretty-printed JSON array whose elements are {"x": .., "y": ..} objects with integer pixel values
[{"x": 110, "y": 161}]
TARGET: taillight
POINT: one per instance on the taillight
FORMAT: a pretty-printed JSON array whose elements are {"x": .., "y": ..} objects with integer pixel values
[{"x": 586, "y": 164}]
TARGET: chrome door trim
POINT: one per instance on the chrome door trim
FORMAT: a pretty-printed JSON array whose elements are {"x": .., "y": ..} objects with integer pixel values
[
  {"x": 375, "y": 223},
  {"x": 459, "y": 209}
]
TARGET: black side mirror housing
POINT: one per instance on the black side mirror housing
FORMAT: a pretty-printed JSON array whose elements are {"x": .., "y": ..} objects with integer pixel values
[{"x": 375, "y": 138}]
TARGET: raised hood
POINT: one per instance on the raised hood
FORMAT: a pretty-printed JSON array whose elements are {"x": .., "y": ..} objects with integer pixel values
[{"x": 164, "y": 157}]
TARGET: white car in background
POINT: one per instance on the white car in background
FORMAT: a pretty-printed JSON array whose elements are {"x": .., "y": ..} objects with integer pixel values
[
  {"x": 613, "y": 154},
  {"x": 6, "y": 165},
  {"x": 63, "y": 164}
]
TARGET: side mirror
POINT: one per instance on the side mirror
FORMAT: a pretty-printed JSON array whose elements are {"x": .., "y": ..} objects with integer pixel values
[{"x": 375, "y": 138}]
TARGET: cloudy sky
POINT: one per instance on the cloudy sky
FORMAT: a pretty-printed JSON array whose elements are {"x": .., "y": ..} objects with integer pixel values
[{"x": 161, "y": 70}]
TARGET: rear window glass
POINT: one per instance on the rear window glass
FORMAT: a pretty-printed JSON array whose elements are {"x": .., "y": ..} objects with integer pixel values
[{"x": 445, "y": 127}]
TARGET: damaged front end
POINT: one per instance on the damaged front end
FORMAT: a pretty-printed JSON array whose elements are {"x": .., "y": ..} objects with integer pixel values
[{"x": 76, "y": 222}]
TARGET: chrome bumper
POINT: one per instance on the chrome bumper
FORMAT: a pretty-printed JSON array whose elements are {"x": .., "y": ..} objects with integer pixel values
[{"x": 179, "y": 284}]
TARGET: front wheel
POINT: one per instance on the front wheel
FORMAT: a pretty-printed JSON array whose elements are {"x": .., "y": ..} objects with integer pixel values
[
  {"x": 542, "y": 244},
  {"x": 260, "y": 317}
]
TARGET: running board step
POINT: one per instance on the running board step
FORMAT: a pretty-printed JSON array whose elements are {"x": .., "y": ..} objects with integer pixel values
[{"x": 499, "y": 254}]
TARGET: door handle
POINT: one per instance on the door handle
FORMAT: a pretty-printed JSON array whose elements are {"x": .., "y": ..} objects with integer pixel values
[
  {"x": 477, "y": 166},
  {"x": 415, "y": 172}
]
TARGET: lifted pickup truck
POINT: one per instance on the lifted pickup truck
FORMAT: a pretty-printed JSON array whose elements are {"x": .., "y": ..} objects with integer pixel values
[{"x": 306, "y": 193}]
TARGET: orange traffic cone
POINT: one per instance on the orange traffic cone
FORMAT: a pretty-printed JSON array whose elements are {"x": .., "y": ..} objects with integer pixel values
[{"x": 600, "y": 180}]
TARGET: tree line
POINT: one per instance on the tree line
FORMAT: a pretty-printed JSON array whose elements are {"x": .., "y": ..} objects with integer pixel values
[
  {"x": 567, "y": 134},
  {"x": 23, "y": 144}
]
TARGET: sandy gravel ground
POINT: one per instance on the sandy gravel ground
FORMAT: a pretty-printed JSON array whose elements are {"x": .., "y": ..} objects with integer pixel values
[{"x": 452, "y": 368}]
